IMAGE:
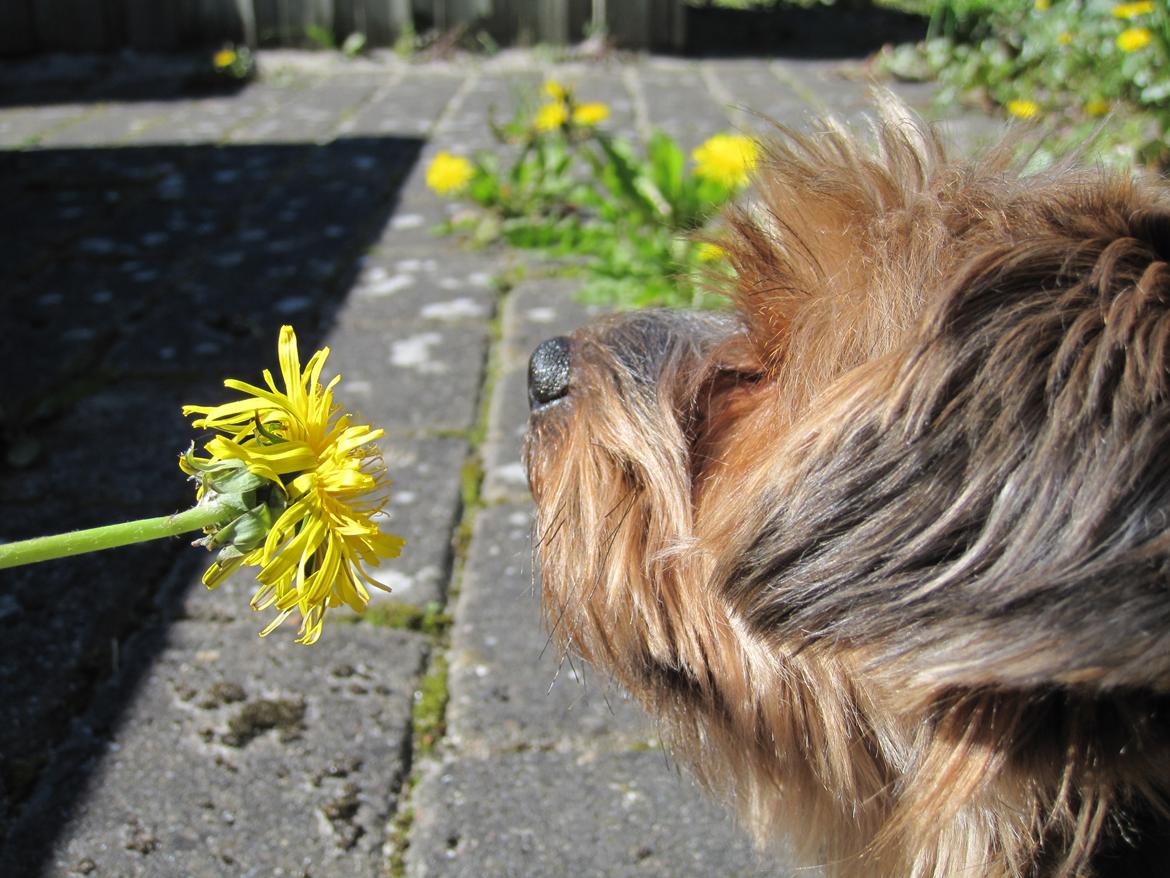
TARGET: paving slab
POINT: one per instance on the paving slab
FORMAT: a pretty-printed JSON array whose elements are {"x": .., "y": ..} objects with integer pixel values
[
  {"x": 620, "y": 815},
  {"x": 511, "y": 689},
  {"x": 245, "y": 757},
  {"x": 413, "y": 377}
]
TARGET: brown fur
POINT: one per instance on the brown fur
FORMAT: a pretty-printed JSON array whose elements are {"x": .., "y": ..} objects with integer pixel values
[{"x": 888, "y": 550}]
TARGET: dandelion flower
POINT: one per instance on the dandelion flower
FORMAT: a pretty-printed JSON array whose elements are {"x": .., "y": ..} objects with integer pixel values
[
  {"x": 590, "y": 114},
  {"x": 224, "y": 58},
  {"x": 555, "y": 90},
  {"x": 551, "y": 116},
  {"x": 1133, "y": 10},
  {"x": 333, "y": 481},
  {"x": 1134, "y": 38},
  {"x": 1064, "y": 38},
  {"x": 726, "y": 159},
  {"x": 448, "y": 174},
  {"x": 1097, "y": 107},
  {"x": 1042, "y": 5},
  {"x": 708, "y": 252},
  {"x": 1022, "y": 109}
]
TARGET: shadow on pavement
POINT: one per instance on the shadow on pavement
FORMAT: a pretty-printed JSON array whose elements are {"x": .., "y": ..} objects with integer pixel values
[{"x": 132, "y": 281}]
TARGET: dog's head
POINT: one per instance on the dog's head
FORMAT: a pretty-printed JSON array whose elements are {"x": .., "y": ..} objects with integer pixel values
[{"x": 857, "y": 538}]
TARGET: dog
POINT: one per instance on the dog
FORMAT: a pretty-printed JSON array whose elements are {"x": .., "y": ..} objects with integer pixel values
[{"x": 886, "y": 549}]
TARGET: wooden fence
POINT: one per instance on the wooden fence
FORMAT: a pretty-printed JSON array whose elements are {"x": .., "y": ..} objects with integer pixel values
[{"x": 28, "y": 26}]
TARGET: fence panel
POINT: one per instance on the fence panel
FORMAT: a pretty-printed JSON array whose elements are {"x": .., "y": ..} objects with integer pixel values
[
  {"x": 382, "y": 21},
  {"x": 287, "y": 22},
  {"x": 106, "y": 25},
  {"x": 17, "y": 32}
]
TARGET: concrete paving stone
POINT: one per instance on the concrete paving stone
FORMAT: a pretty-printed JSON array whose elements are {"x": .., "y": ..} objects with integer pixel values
[
  {"x": 425, "y": 506},
  {"x": 509, "y": 687},
  {"x": 409, "y": 106},
  {"x": 623, "y": 815},
  {"x": 24, "y": 125},
  {"x": 489, "y": 97},
  {"x": 63, "y": 622},
  {"x": 504, "y": 475},
  {"x": 311, "y": 113},
  {"x": 242, "y": 756},
  {"x": 438, "y": 283},
  {"x": 413, "y": 378},
  {"x": 753, "y": 96},
  {"x": 678, "y": 102},
  {"x": 108, "y": 124},
  {"x": 826, "y": 90}
]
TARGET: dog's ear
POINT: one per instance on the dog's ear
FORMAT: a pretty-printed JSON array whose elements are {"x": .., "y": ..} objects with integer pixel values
[{"x": 988, "y": 502}]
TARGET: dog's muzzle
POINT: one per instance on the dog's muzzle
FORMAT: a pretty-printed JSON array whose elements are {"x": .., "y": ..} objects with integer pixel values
[{"x": 548, "y": 373}]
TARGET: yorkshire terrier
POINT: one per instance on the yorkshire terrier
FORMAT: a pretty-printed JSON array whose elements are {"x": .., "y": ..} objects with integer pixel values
[{"x": 887, "y": 548}]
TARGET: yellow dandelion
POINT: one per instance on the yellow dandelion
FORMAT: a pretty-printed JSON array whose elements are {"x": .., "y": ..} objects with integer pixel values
[
  {"x": 1133, "y": 10},
  {"x": 448, "y": 174},
  {"x": 331, "y": 481},
  {"x": 1134, "y": 38},
  {"x": 1022, "y": 109},
  {"x": 590, "y": 114},
  {"x": 726, "y": 159},
  {"x": 555, "y": 90},
  {"x": 224, "y": 58},
  {"x": 1042, "y": 5},
  {"x": 708, "y": 252},
  {"x": 1064, "y": 38},
  {"x": 1097, "y": 108},
  {"x": 550, "y": 117}
]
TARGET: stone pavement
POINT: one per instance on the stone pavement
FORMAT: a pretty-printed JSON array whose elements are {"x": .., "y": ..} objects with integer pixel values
[{"x": 154, "y": 242}]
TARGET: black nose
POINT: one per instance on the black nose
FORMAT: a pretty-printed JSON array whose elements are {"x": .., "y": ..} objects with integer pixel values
[{"x": 548, "y": 372}]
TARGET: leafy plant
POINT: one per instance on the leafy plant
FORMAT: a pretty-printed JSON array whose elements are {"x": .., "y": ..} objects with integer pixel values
[
  {"x": 1068, "y": 63},
  {"x": 630, "y": 222}
]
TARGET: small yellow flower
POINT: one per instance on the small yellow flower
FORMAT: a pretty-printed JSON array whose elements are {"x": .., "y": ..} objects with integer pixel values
[
  {"x": 555, "y": 90},
  {"x": 334, "y": 483},
  {"x": 708, "y": 252},
  {"x": 1134, "y": 38},
  {"x": 1133, "y": 10},
  {"x": 448, "y": 174},
  {"x": 551, "y": 116},
  {"x": 726, "y": 159},
  {"x": 1064, "y": 38},
  {"x": 1042, "y": 5},
  {"x": 1097, "y": 108},
  {"x": 1022, "y": 109},
  {"x": 224, "y": 58},
  {"x": 590, "y": 114}
]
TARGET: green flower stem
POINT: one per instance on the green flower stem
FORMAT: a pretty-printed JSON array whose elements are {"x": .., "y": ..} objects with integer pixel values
[{"x": 111, "y": 536}]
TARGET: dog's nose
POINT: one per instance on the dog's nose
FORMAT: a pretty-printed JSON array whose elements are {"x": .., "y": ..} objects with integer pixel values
[{"x": 548, "y": 372}]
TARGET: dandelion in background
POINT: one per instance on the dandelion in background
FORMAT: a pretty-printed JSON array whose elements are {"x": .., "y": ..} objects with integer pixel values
[
  {"x": 551, "y": 116},
  {"x": 1133, "y": 39},
  {"x": 1133, "y": 10},
  {"x": 1023, "y": 109},
  {"x": 449, "y": 174},
  {"x": 587, "y": 115},
  {"x": 727, "y": 159}
]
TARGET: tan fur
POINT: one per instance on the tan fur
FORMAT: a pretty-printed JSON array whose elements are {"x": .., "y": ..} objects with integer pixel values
[{"x": 888, "y": 550}]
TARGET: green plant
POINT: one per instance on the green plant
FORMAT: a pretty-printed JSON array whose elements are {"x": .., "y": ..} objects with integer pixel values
[
  {"x": 1068, "y": 63},
  {"x": 629, "y": 222}
]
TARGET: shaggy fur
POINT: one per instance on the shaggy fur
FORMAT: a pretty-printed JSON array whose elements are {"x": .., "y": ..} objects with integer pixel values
[{"x": 888, "y": 549}]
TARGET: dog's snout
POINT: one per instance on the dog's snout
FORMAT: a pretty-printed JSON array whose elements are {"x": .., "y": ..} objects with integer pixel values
[{"x": 548, "y": 372}]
